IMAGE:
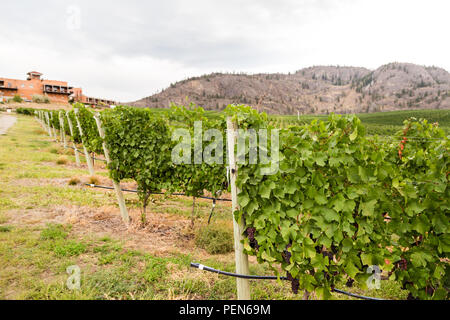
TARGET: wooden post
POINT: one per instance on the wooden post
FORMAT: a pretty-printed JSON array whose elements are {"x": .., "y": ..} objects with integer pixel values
[
  {"x": 243, "y": 285},
  {"x": 40, "y": 119},
  {"x": 77, "y": 157},
  {"x": 48, "y": 125},
  {"x": 63, "y": 132},
  {"x": 86, "y": 153},
  {"x": 119, "y": 194},
  {"x": 53, "y": 128},
  {"x": 60, "y": 131},
  {"x": 44, "y": 116}
]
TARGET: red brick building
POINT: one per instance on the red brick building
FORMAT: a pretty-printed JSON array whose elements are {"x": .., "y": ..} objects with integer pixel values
[
  {"x": 56, "y": 91},
  {"x": 78, "y": 96}
]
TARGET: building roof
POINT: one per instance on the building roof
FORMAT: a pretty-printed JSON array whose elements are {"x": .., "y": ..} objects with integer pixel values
[{"x": 35, "y": 72}]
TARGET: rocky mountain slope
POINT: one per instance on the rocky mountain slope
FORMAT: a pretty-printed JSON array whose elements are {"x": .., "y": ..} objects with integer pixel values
[{"x": 319, "y": 89}]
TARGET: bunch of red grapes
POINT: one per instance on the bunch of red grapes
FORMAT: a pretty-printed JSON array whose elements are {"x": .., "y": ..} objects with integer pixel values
[{"x": 251, "y": 237}]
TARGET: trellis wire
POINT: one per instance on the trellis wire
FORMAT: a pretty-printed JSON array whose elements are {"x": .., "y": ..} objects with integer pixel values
[{"x": 162, "y": 193}]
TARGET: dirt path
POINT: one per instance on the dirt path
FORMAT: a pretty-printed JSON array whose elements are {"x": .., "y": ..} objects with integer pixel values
[{"x": 6, "y": 122}]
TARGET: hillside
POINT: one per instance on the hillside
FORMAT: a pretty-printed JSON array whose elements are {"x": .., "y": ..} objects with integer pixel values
[{"x": 315, "y": 90}]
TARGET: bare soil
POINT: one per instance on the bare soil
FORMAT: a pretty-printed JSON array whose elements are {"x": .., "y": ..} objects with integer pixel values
[{"x": 161, "y": 234}]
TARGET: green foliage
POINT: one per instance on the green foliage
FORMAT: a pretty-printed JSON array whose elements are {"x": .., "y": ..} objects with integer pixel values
[
  {"x": 76, "y": 132},
  {"x": 91, "y": 138},
  {"x": 25, "y": 111},
  {"x": 340, "y": 202},
  {"x": 5, "y": 228},
  {"x": 420, "y": 220},
  {"x": 17, "y": 98},
  {"x": 215, "y": 238},
  {"x": 40, "y": 99},
  {"x": 322, "y": 216},
  {"x": 54, "y": 118},
  {"x": 194, "y": 178},
  {"x": 138, "y": 143},
  {"x": 381, "y": 123}
]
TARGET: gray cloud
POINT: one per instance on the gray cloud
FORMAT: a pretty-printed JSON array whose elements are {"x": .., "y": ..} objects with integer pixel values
[
  {"x": 198, "y": 33},
  {"x": 148, "y": 44}
]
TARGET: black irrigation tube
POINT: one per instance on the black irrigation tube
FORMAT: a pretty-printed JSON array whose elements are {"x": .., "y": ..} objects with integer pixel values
[
  {"x": 235, "y": 275},
  {"x": 172, "y": 194},
  {"x": 356, "y": 295},
  {"x": 108, "y": 188},
  {"x": 252, "y": 277}
]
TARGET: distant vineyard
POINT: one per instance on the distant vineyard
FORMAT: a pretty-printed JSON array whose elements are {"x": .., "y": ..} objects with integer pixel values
[{"x": 380, "y": 123}]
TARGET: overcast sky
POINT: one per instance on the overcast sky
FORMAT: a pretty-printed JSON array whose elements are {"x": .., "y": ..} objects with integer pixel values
[{"x": 126, "y": 50}]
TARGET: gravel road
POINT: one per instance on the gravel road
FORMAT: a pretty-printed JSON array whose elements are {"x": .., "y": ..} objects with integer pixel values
[{"x": 6, "y": 122}]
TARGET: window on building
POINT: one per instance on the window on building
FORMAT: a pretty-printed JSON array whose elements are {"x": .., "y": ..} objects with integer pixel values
[
  {"x": 22, "y": 85},
  {"x": 31, "y": 86}
]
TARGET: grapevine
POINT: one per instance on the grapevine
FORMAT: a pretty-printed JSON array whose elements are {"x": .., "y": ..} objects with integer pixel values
[{"x": 340, "y": 202}]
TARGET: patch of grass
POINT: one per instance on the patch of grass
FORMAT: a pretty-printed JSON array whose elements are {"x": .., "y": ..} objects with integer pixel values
[
  {"x": 3, "y": 218},
  {"x": 5, "y": 228},
  {"x": 69, "y": 152},
  {"x": 61, "y": 151},
  {"x": 114, "y": 284},
  {"x": 74, "y": 181},
  {"x": 215, "y": 239},
  {"x": 62, "y": 160},
  {"x": 107, "y": 248},
  {"x": 155, "y": 269},
  {"x": 109, "y": 252},
  {"x": 107, "y": 258},
  {"x": 188, "y": 287},
  {"x": 48, "y": 195},
  {"x": 94, "y": 180},
  {"x": 129, "y": 258},
  {"x": 26, "y": 170},
  {"x": 382, "y": 123},
  {"x": 181, "y": 260},
  {"x": 388, "y": 290},
  {"x": 7, "y": 204},
  {"x": 54, "y": 232},
  {"x": 69, "y": 248}
]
